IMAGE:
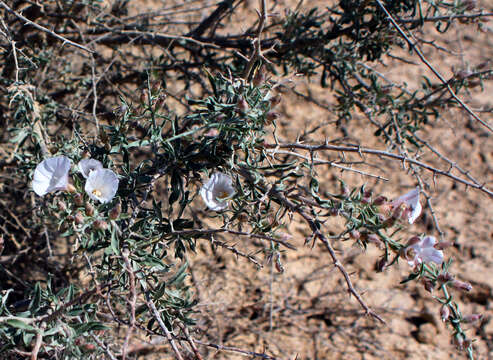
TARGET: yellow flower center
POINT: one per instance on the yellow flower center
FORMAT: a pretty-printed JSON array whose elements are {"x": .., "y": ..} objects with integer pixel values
[
  {"x": 222, "y": 195},
  {"x": 97, "y": 193}
]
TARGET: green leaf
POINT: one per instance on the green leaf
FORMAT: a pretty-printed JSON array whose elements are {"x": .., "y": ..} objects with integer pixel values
[
  {"x": 34, "y": 305},
  {"x": 176, "y": 187},
  {"x": 88, "y": 326},
  {"x": 19, "y": 324}
]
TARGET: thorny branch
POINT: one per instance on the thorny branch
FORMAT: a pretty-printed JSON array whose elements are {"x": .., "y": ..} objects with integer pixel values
[
  {"x": 315, "y": 228},
  {"x": 362, "y": 150},
  {"x": 431, "y": 67},
  {"x": 42, "y": 28}
]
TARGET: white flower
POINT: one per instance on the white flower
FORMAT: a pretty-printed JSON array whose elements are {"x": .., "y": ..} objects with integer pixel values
[
  {"x": 87, "y": 166},
  {"x": 101, "y": 185},
  {"x": 423, "y": 251},
  {"x": 410, "y": 205},
  {"x": 51, "y": 175},
  {"x": 217, "y": 191}
]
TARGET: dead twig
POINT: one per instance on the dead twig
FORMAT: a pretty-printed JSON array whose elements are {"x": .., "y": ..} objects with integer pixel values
[
  {"x": 42, "y": 28},
  {"x": 361, "y": 150},
  {"x": 131, "y": 303},
  {"x": 157, "y": 316},
  {"x": 413, "y": 46}
]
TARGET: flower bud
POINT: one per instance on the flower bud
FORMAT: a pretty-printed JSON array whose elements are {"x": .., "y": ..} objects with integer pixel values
[
  {"x": 212, "y": 132},
  {"x": 78, "y": 200},
  {"x": 78, "y": 218},
  {"x": 459, "y": 341},
  {"x": 242, "y": 218},
  {"x": 103, "y": 135},
  {"x": 333, "y": 211},
  {"x": 444, "y": 277},
  {"x": 86, "y": 154},
  {"x": 467, "y": 343},
  {"x": 380, "y": 200},
  {"x": 61, "y": 205},
  {"x": 365, "y": 200},
  {"x": 373, "y": 238},
  {"x": 242, "y": 105},
  {"x": 385, "y": 208},
  {"x": 470, "y": 4},
  {"x": 461, "y": 285},
  {"x": 398, "y": 212},
  {"x": 116, "y": 211},
  {"x": 100, "y": 225},
  {"x": 259, "y": 77},
  {"x": 89, "y": 209},
  {"x": 275, "y": 100},
  {"x": 155, "y": 86},
  {"x": 428, "y": 285},
  {"x": 160, "y": 102},
  {"x": 381, "y": 264},
  {"x": 444, "y": 312},
  {"x": 413, "y": 241},
  {"x": 462, "y": 74},
  {"x": 483, "y": 65},
  {"x": 354, "y": 234},
  {"x": 278, "y": 264},
  {"x": 388, "y": 222},
  {"x": 472, "y": 318},
  {"x": 71, "y": 188}
]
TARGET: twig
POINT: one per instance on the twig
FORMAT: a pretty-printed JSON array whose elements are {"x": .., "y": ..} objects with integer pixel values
[
  {"x": 257, "y": 52},
  {"x": 103, "y": 346},
  {"x": 234, "y": 232},
  {"x": 42, "y": 28},
  {"x": 444, "y": 17},
  {"x": 281, "y": 198},
  {"x": 37, "y": 344},
  {"x": 316, "y": 161},
  {"x": 191, "y": 341},
  {"x": 361, "y": 150},
  {"x": 208, "y": 21},
  {"x": 430, "y": 66},
  {"x": 131, "y": 303},
  {"x": 163, "y": 327}
]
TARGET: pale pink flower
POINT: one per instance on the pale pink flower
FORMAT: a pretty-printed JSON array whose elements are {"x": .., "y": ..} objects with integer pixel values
[
  {"x": 101, "y": 185},
  {"x": 410, "y": 205},
  {"x": 423, "y": 251},
  {"x": 51, "y": 175},
  {"x": 217, "y": 191},
  {"x": 86, "y": 166}
]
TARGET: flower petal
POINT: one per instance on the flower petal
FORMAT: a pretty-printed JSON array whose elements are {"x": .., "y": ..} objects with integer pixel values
[
  {"x": 428, "y": 241},
  {"x": 86, "y": 166},
  {"x": 415, "y": 212},
  {"x": 102, "y": 185},
  {"x": 431, "y": 254},
  {"x": 213, "y": 190},
  {"x": 411, "y": 198},
  {"x": 51, "y": 175}
]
